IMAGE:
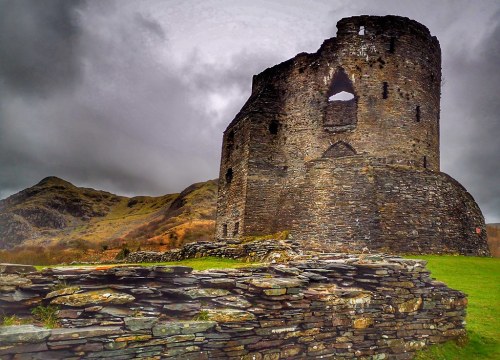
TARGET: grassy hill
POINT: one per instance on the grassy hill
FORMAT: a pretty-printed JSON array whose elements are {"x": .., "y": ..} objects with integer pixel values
[{"x": 58, "y": 217}]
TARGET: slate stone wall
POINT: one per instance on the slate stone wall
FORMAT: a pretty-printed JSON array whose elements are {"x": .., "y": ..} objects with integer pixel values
[
  {"x": 357, "y": 306},
  {"x": 290, "y": 125}
]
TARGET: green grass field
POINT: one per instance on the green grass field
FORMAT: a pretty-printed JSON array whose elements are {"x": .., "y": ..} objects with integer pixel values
[
  {"x": 197, "y": 264},
  {"x": 480, "y": 279}
]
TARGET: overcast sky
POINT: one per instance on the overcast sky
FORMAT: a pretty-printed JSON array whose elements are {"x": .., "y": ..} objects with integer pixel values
[{"x": 132, "y": 96}]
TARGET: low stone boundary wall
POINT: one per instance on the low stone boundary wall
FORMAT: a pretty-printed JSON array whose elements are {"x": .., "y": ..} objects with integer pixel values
[
  {"x": 253, "y": 251},
  {"x": 330, "y": 306}
]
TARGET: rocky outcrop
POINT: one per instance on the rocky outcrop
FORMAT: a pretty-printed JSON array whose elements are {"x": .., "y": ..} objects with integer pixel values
[{"x": 347, "y": 306}]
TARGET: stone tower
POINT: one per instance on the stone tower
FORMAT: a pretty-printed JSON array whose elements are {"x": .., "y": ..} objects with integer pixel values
[{"x": 341, "y": 148}]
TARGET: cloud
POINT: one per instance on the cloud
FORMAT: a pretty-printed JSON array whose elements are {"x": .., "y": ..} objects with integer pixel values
[
  {"x": 38, "y": 40},
  {"x": 132, "y": 96}
]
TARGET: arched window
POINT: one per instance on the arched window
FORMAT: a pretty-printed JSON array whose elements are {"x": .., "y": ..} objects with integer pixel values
[
  {"x": 341, "y": 88},
  {"x": 341, "y": 111},
  {"x": 339, "y": 149}
]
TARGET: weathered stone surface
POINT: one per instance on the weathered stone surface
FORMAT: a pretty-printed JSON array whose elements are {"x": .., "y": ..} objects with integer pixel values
[
  {"x": 410, "y": 305},
  {"x": 94, "y": 297},
  {"x": 173, "y": 269},
  {"x": 10, "y": 282},
  {"x": 181, "y": 327},
  {"x": 362, "y": 323},
  {"x": 140, "y": 323},
  {"x": 86, "y": 332},
  {"x": 16, "y": 268},
  {"x": 116, "y": 311},
  {"x": 233, "y": 301},
  {"x": 206, "y": 293},
  {"x": 227, "y": 315},
  {"x": 23, "y": 333},
  {"x": 277, "y": 283},
  {"x": 66, "y": 291}
]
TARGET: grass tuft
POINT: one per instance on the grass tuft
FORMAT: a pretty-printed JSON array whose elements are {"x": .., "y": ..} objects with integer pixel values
[{"x": 47, "y": 315}]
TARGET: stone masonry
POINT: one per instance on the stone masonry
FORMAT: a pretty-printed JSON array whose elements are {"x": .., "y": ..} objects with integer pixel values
[
  {"x": 342, "y": 175},
  {"x": 326, "y": 306}
]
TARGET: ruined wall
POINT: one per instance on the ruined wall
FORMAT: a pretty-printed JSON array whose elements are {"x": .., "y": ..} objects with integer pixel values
[
  {"x": 386, "y": 208},
  {"x": 292, "y": 122},
  {"x": 346, "y": 306}
]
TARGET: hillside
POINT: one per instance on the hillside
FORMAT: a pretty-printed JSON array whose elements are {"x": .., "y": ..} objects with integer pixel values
[{"x": 55, "y": 212}]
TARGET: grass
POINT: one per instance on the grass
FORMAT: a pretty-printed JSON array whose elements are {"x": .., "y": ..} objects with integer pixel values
[
  {"x": 14, "y": 320},
  {"x": 480, "y": 279},
  {"x": 47, "y": 315},
  {"x": 197, "y": 264}
]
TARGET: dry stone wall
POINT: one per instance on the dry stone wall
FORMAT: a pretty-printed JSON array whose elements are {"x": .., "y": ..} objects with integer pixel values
[{"x": 328, "y": 306}]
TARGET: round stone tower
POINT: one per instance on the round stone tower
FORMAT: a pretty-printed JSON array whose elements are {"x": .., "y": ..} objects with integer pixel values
[
  {"x": 392, "y": 67},
  {"x": 341, "y": 149}
]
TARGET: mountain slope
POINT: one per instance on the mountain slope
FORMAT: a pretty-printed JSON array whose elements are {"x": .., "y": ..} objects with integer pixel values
[{"x": 55, "y": 212}]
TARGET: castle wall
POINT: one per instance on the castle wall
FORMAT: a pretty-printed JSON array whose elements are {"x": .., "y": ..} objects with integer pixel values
[
  {"x": 387, "y": 208},
  {"x": 341, "y": 306},
  {"x": 311, "y": 173}
]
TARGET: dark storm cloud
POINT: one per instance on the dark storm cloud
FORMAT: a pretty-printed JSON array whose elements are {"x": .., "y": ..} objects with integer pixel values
[
  {"x": 134, "y": 124},
  {"x": 474, "y": 146},
  {"x": 132, "y": 96},
  {"x": 38, "y": 44}
]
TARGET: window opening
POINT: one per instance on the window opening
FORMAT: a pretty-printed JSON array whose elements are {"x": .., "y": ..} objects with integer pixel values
[
  {"x": 425, "y": 162},
  {"x": 273, "y": 127},
  {"x": 361, "y": 30},
  {"x": 224, "y": 230},
  {"x": 236, "y": 228},
  {"x": 230, "y": 141},
  {"x": 341, "y": 96},
  {"x": 417, "y": 113},
  {"x": 341, "y": 88},
  {"x": 229, "y": 176},
  {"x": 392, "y": 45},
  {"x": 385, "y": 90}
]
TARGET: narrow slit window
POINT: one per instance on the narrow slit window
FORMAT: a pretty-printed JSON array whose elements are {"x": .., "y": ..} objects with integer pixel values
[
  {"x": 274, "y": 127},
  {"x": 417, "y": 113},
  {"x": 425, "y": 162},
  {"x": 230, "y": 142},
  {"x": 392, "y": 45},
  {"x": 224, "y": 230},
  {"x": 236, "y": 228},
  {"x": 385, "y": 91},
  {"x": 229, "y": 176},
  {"x": 361, "y": 30}
]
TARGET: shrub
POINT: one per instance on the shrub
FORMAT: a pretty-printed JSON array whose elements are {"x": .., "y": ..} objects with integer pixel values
[
  {"x": 47, "y": 315},
  {"x": 123, "y": 253}
]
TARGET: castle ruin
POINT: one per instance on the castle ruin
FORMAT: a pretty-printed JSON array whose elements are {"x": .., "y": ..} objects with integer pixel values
[{"x": 341, "y": 149}]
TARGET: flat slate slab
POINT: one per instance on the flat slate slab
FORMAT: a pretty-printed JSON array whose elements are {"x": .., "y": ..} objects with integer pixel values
[
  {"x": 16, "y": 268},
  {"x": 23, "y": 333}
]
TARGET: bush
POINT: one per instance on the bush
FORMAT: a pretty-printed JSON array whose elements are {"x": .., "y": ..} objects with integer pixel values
[
  {"x": 123, "y": 253},
  {"x": 47, "y": 315}
]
